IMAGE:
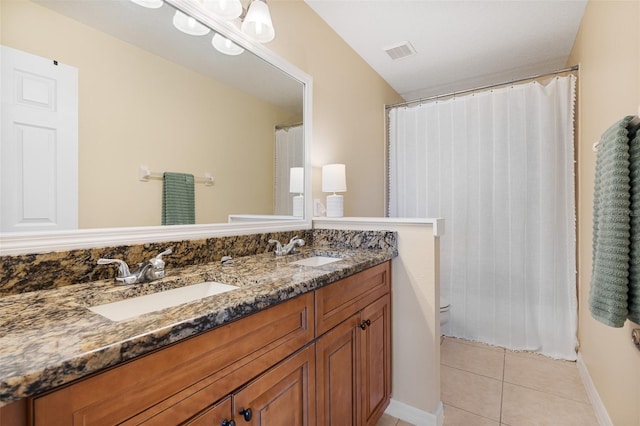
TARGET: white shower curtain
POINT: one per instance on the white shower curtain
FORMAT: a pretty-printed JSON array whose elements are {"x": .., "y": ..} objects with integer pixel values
[
  {"x": 498, "y": 167},
  {"x": 289, "y": 153}
]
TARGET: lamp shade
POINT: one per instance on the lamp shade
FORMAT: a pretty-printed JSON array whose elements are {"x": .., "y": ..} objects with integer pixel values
[
  {"x": 296, "y": 180},
  {"x": 226, "y": 9},
  {"x": 188, "y": 25},
  {"x": 226, "y": 46},
  {"x": 257, "y": 24},
  {"x": 334, "y": 178}
]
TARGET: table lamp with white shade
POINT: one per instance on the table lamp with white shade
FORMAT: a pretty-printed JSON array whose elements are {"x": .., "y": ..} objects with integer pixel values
[
  {"x": 334, "y": 180},
  {"x": 296, "y": 186}
]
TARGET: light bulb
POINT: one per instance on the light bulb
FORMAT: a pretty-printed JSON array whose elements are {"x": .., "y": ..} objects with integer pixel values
[
  {"x": 226, "y": 9},
  {"x": 257, "y": 23},
  {"x": 188, "y": 24},
  {"x": 226, "y": 46}
]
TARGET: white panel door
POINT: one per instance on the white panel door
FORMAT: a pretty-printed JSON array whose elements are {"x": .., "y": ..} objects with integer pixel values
[{"x": 39, "y": 145}]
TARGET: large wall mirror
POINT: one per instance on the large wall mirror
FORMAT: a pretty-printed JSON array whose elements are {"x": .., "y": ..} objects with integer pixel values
[{"x": 151, "y": 98}]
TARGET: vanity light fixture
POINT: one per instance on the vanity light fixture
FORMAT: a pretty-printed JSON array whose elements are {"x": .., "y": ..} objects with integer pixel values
[
  {"x": 225, "y": 9},
  {"x": 150, "y": 4},
  {"x": 254, "y": 22},
  {"x": 189, "y": 25},
  {"x": 257, "y": 23},
  {"x": 296, "y": 186},
  {"x": 226, "y": 46},
  {"x": 334, "y": 180}
]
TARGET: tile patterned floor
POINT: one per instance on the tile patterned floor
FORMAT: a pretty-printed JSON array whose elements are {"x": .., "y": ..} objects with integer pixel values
[
  {"x": 387, "y": 420},
  {"x": 483, "y": 385}
]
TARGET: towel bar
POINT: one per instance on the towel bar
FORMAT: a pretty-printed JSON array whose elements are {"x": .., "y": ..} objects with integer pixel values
[{"x": 144, "y": 174}]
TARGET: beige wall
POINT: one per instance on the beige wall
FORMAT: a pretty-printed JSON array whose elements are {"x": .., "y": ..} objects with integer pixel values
[
  {"x": 608, "y": 50},
  {"x": 133, "y": 111},
  {"x": 348, "y": 104},
  {"x": 415, "y": 295}
]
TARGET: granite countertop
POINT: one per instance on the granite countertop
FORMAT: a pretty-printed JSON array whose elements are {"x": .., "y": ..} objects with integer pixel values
[{"x": 49, "y": 337}]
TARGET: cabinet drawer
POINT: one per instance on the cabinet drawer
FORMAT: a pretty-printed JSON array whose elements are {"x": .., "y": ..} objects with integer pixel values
[
  {"x": 340, "y": 300},
  {"x": 185, "y": 378}
]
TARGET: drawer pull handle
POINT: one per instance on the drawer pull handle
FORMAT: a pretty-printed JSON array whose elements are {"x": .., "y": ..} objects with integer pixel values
[
  {"x": 364, "y": 324},
  {"x": 246, "y": 414},
  {"x": 226, "y": 422}
]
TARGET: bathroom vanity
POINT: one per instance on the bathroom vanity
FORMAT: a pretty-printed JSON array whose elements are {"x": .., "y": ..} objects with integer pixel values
[
  {"x": 294, "y": 344},
  {"x": 258, "y": 370}
]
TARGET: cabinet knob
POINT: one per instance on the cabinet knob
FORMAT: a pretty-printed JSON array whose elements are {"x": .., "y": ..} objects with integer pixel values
[
  {"x": 246, "y": 414},
  {"x": 635, "y": 337},
  {"x": 363, "y": 325},
  {"x": 226, "y": 422}
]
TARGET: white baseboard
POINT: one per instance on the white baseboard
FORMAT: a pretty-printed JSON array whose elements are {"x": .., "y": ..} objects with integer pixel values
[
  {"x": 592, "y": 392},
  {"x": 414, "y": 415}
]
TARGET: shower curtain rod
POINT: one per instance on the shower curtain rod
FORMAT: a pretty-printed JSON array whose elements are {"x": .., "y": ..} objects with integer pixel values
[
  {"x": 288, "y": 126},
  {"x": 417, "y": 101}
]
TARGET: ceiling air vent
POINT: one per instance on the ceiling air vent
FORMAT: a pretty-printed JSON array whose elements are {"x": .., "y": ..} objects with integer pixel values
[{"x": 400, "y": 51}]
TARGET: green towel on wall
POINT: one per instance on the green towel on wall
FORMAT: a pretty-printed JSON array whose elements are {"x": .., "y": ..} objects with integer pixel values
[
  {"x": 633, "y": 294},
  {"x": 611, "y": 227},
  {"x": 178, "y": 199}
]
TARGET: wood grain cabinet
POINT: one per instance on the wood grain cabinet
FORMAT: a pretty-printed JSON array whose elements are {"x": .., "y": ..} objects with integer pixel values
[
  {"x": 285, "y": 395},
  {"x": 174, "y": 384},
  {"x": 353, "y": 359},
  {"x": 320, "y": 358}
]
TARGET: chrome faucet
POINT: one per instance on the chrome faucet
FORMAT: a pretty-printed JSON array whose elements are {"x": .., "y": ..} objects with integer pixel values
[
  {"x": 148, "y": 271},
  {"x": 289, "y": 248}
]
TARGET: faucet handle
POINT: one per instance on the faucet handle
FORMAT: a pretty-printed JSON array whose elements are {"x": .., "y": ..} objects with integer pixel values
[
  {"x": 157, "y": 264},
  {"x": 166, "y": 252},
  {"x": 157, "y": 261},
  {"x": 278, "y": 250},
  {"x": 296, "y": 241},
  {"x": 123, "y": 269}
]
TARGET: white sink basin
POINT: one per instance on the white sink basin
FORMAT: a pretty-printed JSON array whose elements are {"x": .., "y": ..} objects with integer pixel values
[
  {"x": 129, "y": 308},
  {"x": 316, "y": 261}
]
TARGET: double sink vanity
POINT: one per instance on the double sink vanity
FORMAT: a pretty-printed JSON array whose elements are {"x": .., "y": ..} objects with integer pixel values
[{"x": 258, "y": 339}]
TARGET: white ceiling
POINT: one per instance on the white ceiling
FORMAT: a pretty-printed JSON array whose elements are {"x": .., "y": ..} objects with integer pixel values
[{"x": 459, "y": 44}]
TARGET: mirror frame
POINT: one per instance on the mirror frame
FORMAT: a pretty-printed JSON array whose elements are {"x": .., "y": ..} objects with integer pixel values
[{"x": 41, "y": 242}]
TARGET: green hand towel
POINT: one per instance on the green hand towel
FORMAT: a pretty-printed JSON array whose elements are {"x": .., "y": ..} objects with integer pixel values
[
  {"x": 611, "y": 227},
  {"x": 178, "y": 199},
  {"x": 633, "y": 295}
]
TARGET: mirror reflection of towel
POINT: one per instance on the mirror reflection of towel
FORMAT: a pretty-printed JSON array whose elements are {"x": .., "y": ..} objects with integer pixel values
[{"x": 178, "y": 199}]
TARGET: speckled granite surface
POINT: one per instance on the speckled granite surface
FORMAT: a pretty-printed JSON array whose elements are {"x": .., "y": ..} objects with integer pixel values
[
  {"x": 61, "y": 268},
  {"x": 49, "y": 337}
]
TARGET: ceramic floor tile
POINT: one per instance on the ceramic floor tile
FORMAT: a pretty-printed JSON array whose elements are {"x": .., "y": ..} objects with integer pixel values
[
  {"x": 387, "y": 420},
  {"x": 403, "y": 423},
  {"x": 472, "y": 358},
  {"x": 477, "y": 344},
  {"x": 527, "y": 407},
  {"x": 471, "y": 392},
  {"x": 455, "y": 417},
  {"x": 557, "y": 377}
]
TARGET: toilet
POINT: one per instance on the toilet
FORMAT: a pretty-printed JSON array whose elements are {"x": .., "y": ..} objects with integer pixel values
[{"x": 444, "y": 311}]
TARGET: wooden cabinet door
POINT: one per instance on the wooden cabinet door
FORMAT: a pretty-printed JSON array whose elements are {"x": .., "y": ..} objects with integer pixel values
[
  {"x": 376, "y": 360},
  {"x": 283, "y": 396},
  {"x": 337, "y": 378},
  {"x": 215, "y": 416}
]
